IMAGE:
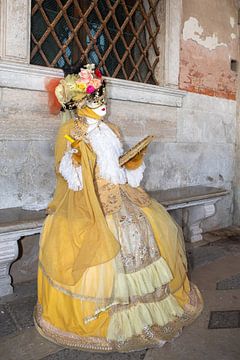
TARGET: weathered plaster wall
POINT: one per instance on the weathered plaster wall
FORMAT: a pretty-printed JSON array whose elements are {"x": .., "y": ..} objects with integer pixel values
[
  {"x": 26, "y": 141},
  {"x": 209, "y": 42},
  {"x": 194, "y": 145},
  {"x": 236, "y": 182}
]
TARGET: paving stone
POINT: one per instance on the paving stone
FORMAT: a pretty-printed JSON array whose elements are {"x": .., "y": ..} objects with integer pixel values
[
  {"x": 210, "y": 237},
  {"x": 75, "y": 355},
  {"x": 26, "y": 345},
  {"x": 228, "y": 284},
  {"x": 28, "y": 288},
  {"x": 22, "y": 311},
  {"x": 7, "y": 324},
  {"x": 204, "y": 255},
  {"x": 224, "y": 319},
  {"x": 21, "y": 290},
  {"x": 230, "y": 244},
  {"x": 226, "y": 232}
]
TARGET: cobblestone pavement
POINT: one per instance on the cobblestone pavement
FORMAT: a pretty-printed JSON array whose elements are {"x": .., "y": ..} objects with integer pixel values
[{"x": 214, "y": 267}]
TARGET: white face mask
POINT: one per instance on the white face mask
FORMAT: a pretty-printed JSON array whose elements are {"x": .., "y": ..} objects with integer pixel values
[{"x": 101, "y": 110}]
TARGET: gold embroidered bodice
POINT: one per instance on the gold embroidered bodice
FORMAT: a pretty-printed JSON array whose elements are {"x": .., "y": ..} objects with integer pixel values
[{"x": 110, "y": 195}]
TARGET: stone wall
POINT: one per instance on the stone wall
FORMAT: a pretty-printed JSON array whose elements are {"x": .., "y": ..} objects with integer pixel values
[
  {"x": 194, "y": 145},
  {"x": 236, "y": 182},
  {"x": 209, "y": 43},
  {"x": 27, "y": 135}
]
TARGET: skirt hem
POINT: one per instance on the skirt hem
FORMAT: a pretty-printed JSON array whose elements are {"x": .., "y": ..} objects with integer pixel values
[{"x": 151, "y": 337}]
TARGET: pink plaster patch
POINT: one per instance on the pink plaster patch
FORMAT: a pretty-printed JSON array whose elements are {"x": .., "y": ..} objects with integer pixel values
[{"x": 207, "y": 71}]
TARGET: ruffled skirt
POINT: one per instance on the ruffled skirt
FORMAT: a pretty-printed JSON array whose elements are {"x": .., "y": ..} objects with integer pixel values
[{"x": 140, "y": 299}]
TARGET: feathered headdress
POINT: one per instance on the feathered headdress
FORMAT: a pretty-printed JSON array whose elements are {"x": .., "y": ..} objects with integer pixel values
[{"x": 84, "y": 88}]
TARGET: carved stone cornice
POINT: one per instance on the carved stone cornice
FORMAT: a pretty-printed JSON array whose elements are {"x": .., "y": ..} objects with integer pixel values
[{"x": 33, "y": 77}]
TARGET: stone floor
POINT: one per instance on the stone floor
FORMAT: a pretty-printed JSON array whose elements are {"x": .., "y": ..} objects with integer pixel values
[{"x": 214, "y": 267}]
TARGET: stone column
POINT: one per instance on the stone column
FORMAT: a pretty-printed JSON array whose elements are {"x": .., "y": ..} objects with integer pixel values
[
  {"x": 169, "y": 13},
  {"x": 173, "y": 24},
  {"x": 15, "y": 22},
  {"x": 236, "y": 182}
]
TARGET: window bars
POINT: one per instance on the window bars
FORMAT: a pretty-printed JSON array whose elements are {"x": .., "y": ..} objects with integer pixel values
[{"x": 118, "y": 36}]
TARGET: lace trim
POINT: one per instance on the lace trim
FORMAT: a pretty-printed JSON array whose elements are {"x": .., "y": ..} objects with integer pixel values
[
  {"x": 108, "y": 149},
  {"x": 151, "y": 336},
  {"x": 129, "y": 322},
  {"x": 144, "y": 281}
]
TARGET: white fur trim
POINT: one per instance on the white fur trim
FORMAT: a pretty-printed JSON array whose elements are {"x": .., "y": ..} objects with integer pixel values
[
  {"x": 71, "y": 173},
  {"x": 108, "y": 148},
  {"x": 134, "y": 177}
]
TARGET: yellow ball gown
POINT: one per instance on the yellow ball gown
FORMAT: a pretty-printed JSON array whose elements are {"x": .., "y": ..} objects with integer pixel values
[{"x": 112, "y": 265}]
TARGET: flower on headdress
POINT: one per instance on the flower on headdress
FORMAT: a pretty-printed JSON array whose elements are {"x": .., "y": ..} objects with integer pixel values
[
  {"x": 70, "y": 82},
  {"x": 85, "y": 75},
  {"x": 90, "y": 67},
  {"x": 66, "y": 88},
  {"x": 81, "y": 86},
  {"x": 90, "y": 89},
  {"x": 98, "y": 73},
  {"x": 96, "y": 83}
]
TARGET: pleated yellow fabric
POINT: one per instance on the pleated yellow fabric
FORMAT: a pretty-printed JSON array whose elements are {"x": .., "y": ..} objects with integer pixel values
[
  {"x": 170, "y": 241},
  {"x": 66, "y": 312},
  {"x": 86, "y": 288},
  {"x": 144, "y": 281},
  {"x": 127, "y": 323},
  {"x": 86, "y": 239}
]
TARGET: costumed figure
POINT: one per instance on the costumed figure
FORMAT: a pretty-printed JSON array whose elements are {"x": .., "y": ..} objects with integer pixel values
[{"x": 112, "y": 264}]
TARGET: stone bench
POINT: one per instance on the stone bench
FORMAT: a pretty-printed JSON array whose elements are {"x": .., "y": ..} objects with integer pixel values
[
  {"x": 197, "y": 202},
  {"x": 15, "y": 223}
]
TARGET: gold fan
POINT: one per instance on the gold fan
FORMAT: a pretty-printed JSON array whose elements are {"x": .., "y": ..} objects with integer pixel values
[{"x": 136, "y": 149}]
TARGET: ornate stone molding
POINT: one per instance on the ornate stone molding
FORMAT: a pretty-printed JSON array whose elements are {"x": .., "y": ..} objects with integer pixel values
[
  {"x": 32, "y": 77},
  {"x": 15, "y": 18},
  {"x": 144, "y": 93},
  {"x": 173, "y": 23},
  {"x": 25, "y": 76}
]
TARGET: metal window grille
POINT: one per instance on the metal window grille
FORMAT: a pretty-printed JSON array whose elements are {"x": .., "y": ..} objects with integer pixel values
[{"x": 118, "y": 36}]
